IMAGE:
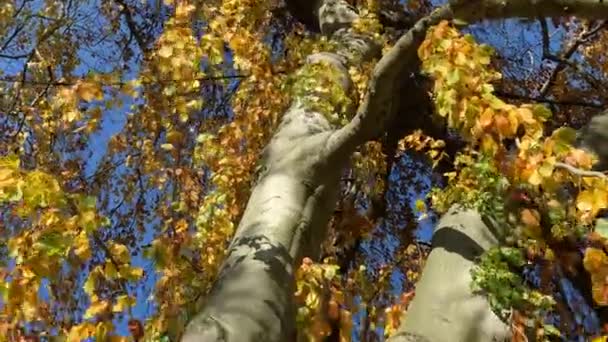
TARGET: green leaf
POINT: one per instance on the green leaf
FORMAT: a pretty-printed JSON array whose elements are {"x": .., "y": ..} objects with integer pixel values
[
  {"x": 551, "y": 330},
  {"x": 565, "y": 135},
  {"x": 330, "y": 272},
  {"x": 601, "y": 227},
  {"x": 542, "y": 112},
  {"x": 453, "y": 77},
  {"x": 89, "y": 202},
  {"x": 4, "y": 290},
  {"x": 52, "y": 244}
]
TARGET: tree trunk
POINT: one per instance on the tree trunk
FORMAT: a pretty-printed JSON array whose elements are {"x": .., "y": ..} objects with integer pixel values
[
  {"x": 286, "y": 216},
  {"x": 444, "y": 308},
  {"x": 289, "y": 207}
]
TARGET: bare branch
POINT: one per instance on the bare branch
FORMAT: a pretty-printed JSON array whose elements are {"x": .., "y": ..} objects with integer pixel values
[
  {"x": 135, "y": 31},
  {"x": 563, "y": 59},
  {"x": 579, "y": 172},
  {"x": 24, "y": 55},
  {"x": 471, "y": 10},
  {"x": 539, "y": 99}
]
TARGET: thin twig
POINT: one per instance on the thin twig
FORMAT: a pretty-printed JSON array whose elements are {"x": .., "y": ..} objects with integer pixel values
[
  {"x": 550, "y": 101},
  {"x": 582, "y": 38},
  {"x": 157, "y": 81},
  {"x": 126, "y": 11}
]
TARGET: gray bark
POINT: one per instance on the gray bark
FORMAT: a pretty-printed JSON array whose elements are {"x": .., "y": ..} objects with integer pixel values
[
  {"x": 444, "y": 308},
  {"x": 284, "y": 220},
  {"x": 593, "y": 137},
  {"x": 289, "y": 207},
  {"x": 287, "y": 214}
]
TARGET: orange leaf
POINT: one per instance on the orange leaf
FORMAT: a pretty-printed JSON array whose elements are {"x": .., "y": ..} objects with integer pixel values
[{"x": 530, "y": 217}]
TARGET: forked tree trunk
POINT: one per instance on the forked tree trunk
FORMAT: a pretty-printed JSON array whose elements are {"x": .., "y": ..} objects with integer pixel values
[
  {"x": 287, "y": 214},
  {"x": 295, "y": 194}
]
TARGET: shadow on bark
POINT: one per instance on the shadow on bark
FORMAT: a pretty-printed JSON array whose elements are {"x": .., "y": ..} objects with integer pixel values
[
  {"x": 247, "y": 296},
  {"x": 454, "y": 240}
]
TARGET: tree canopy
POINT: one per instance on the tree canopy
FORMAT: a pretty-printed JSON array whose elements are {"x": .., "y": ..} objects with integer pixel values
[{"x": 298, "y": 170}]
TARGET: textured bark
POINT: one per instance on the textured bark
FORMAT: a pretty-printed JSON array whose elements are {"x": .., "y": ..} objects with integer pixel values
[
  {"x": 287, "y": 213},
  {"x": 285, "y": 219}
]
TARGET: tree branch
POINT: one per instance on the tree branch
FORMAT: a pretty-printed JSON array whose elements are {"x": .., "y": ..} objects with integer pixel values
[
  {"x": 472, "y": 11},
  {"x": 375, "y": 108},
  {"x": 126, "y": 11},
  {"x": 563, "y": 60},
  {"x": 581, "y": 173},
  {"x": 539, "y": 99}
]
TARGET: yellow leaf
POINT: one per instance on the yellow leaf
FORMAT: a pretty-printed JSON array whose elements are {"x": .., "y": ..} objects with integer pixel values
[
  {"x": 110, "y": 270},
  {"x": 420, "y": 206},
  {"x": 72, "y": 115},
  {"x": 89, "y": 284},
  {"x": 546, "y": 169},
  {"x": 526, "y": 115},
  {"x": 6, "y": 178},
  {"x": 29, "y": 306},
  {"x": 584, "y": 201},
  {"x": 165, "y": 51},
  {"x": 503, "y": 126},
  {"x": 123, "y": 302},
  {"x": 488, "y": 144},
  {"x": 599, "y": 288},
  {"x": 513, "y": 121},
  {"x": 312, "y": 300},
  {"x": 102, "y": 329},
  {"x": 531, "y": 220},
  {"x": 120, "y": 253},
  {"x": 89, "y": 91},
  {"x": 96, "y": 308},
  {"x": 136, "y": 272},
  {"x": 601, "y": 198},
  {"x": 592, "y": 200},
  {"x": 167, "y": 147},
  {"x": 81, "y": 332},
  {"x": 535, "y": 178},
  {"x": 530, "y": 217},
  {"x": 579, "y": 158},
  {"x": 130, "y": 88},
  {"x": 486, "y": 118}
]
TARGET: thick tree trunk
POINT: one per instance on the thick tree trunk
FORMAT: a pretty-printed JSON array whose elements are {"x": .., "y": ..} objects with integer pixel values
[
  {"x": 285, "y": 219},
  {"x": 445, "y": 309},
  {"x": 287, "y": 214},
  {"x": 293, "y": 198}
]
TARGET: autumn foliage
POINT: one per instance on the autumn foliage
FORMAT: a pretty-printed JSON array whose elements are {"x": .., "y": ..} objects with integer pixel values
[{"x": 129, "y": 148}]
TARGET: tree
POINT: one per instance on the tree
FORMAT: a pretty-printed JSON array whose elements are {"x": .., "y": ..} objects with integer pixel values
[{"x": 252, "y": 170}]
